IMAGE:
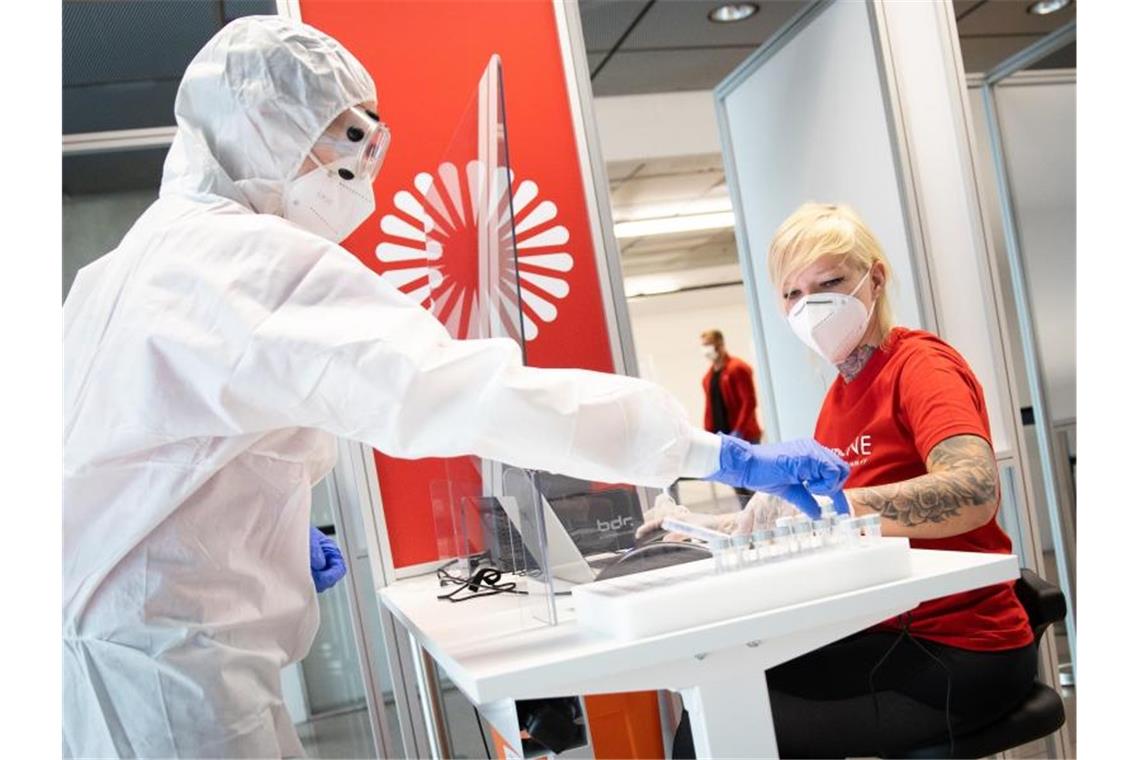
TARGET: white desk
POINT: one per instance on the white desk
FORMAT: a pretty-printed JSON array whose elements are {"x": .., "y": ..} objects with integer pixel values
[{"x": 719, "y": 668}]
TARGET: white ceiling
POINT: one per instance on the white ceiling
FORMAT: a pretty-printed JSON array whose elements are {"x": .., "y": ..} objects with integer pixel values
[
  {"x": 664, "y": 187},
  {"x": 990, "y": 31}
]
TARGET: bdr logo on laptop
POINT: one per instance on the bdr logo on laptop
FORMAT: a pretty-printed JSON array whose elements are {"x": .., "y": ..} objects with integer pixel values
[{"x": 618, "y": 523}]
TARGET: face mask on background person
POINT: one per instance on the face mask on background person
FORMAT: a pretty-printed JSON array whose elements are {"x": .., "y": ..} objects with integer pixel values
[
  {"x": 709, "y": 352},
  {"x": 831, "y": 324}
]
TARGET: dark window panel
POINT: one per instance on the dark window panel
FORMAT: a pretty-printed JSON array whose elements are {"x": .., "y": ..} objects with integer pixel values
[
  {"x": 135, "y": 40},
  {"x": 1065, "y": 58},
  {"x": 121, "y": 105},
  {"x": 113, "y": 172}
]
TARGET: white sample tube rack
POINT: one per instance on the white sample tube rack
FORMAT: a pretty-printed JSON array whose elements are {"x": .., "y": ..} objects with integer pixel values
[{"x": 695, "y": 593}]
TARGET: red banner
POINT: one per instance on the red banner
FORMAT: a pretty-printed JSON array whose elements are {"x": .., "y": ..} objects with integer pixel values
[{"x": 426, "y": 59}]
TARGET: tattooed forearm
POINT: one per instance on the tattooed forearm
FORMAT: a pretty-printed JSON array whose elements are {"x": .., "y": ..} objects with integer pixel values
[{"x": 958, "y": 492}]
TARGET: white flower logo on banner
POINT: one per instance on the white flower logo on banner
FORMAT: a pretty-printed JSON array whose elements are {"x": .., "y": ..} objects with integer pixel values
[{"x": 429, "y": 244}]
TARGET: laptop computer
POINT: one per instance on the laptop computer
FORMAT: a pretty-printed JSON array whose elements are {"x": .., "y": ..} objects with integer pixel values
[{"x": 586, "y": 530}]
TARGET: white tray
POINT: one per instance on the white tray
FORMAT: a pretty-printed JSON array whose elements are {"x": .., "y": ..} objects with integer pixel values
[{"x": 692, "y": 594}]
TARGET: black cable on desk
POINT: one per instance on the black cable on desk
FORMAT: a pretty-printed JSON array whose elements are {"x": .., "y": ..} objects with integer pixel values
[{"x": 486, "y": 578}]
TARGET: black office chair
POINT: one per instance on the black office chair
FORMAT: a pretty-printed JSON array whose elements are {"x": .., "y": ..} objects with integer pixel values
[{"x": 1042, "y": 712}]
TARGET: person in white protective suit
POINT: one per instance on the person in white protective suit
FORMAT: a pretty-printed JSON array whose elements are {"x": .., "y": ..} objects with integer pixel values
[{"x": 211, "y": 360}]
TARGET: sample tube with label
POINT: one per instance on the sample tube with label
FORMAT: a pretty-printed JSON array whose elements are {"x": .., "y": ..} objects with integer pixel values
[
  {"x": 821, "y": 533},
  {"x": 871, "y": 526},
  {"x": 790, "y": 539},
  {"x": 845, "y": 532},
  {"x": 783, "y": 544},
  {"x": 763, "y": 546},
  {"x": 740, "y": 551},
  {"x": 720, "y": 548},
  {"x": 802, "y": 530}
]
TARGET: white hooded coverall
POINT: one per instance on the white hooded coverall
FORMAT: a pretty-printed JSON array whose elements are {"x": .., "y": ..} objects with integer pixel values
[{"x": 211, "y": 359}]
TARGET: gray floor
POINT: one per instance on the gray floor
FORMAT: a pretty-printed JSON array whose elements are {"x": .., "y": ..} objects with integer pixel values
[
  {"x": 338, "y": 737},
  {"x": 348, "y": 735}
]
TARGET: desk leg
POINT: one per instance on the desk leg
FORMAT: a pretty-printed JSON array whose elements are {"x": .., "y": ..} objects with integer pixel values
[
  {"x": 431, "y": 701},
  {"x": 731, "y": 718}
]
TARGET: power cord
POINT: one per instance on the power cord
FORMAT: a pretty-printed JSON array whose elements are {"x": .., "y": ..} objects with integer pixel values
[
  {"x": 487, "y": 578},
  {"x": 487, "y": 581},
  {"x": 905, "y": 633}
]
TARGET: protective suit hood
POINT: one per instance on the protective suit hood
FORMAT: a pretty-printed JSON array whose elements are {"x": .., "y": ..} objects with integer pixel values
[{"x": 251, "y": 104}]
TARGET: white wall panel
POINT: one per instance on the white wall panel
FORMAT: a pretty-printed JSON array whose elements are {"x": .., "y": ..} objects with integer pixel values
[
  {"x": 931, "y": 92},
  {"x": 666, "y": 334},
  {"x": 809, "y": 124},
  {"x": 1038, "y": 125}
]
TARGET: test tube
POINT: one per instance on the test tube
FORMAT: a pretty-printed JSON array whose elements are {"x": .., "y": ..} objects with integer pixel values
[
  {"x": 719, "y": 548},
  {"x": 740, "y": 550},
  {"x": 699, "y": 532},
  {"x": 790, "y": 540},
  {"x": 782, "y": 541},
  {"x": 801, "y": 529},
  {"x": 821, "y": 533},
  {"x": 871, "y": 526},
  {"x": 762, "y": 546},
  {"x": 845, "y": 531}
]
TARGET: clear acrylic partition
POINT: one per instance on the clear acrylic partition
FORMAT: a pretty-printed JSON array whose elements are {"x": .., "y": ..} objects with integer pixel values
[
  {"x": 544, "y": 533},
  {"x": 466, "y": 274},
  {"x": 466, "y": 270},
  {"x": 550, "y": 531}
]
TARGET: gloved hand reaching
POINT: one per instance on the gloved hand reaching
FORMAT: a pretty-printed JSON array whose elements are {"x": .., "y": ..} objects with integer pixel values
[
  {"x": 762, "y": 511},
  {"x": 664, "y": 507},
  {"x": 792, "y": 470},
  {"x": 326, "y": 564}
]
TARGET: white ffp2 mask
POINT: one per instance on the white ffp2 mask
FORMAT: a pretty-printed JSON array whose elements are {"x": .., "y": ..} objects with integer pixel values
[
  {"x": 325, "y": 203},
  {"x": 709, "y": 352},
  {"x": 831, "y": 324}
]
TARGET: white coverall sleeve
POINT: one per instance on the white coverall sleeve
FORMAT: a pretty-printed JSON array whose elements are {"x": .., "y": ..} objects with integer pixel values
[{"x": 346, "y": 352}]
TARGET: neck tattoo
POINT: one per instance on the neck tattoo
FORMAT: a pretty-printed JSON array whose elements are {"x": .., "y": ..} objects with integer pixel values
[{"x": 855, "y": 362}]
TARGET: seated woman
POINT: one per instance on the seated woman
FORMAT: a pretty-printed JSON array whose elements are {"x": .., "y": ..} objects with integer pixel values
[{"x": 909, "y": 417}]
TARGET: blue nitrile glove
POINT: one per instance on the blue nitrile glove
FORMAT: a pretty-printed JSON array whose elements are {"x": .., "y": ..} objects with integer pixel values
[
  {"x": 790, "y": 470},
  {"x": 325, "y": 561}
]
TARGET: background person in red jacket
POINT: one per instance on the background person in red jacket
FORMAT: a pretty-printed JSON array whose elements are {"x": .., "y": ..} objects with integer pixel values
[{"x": 730, "y": 395}]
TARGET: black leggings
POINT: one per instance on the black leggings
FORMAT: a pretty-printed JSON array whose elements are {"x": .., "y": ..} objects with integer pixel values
[{"x": 822, "y": 702}]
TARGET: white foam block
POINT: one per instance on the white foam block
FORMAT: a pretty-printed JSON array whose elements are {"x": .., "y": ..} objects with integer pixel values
[{"x": 692, "y": 594}]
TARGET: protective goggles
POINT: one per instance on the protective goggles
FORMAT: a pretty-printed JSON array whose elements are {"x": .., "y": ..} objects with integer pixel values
[{"x": 358, "y": 135}]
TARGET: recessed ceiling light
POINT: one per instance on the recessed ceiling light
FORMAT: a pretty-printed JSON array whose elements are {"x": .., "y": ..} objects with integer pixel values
[
  {"x": 673, "y": 225},
  {"x": 1045, "y": 7},
  {"x": 730, "y": 12}
]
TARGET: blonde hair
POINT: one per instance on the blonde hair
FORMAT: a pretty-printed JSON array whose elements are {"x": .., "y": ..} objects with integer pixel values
[{"x": 815, "y": 230}]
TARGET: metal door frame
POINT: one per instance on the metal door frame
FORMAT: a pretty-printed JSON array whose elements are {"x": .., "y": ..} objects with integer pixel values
[{"x": 1022, "y": 302}]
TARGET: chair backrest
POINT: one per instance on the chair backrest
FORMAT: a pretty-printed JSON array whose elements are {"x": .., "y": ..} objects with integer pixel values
[{"x": 1043, "y": 602}]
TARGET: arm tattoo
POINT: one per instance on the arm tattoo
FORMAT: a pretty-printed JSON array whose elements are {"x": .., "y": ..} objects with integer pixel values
[{"x": 961, "y": 473}]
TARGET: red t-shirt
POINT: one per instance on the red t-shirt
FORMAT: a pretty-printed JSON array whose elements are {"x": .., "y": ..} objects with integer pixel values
[{"x": 915, "y": 392}]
